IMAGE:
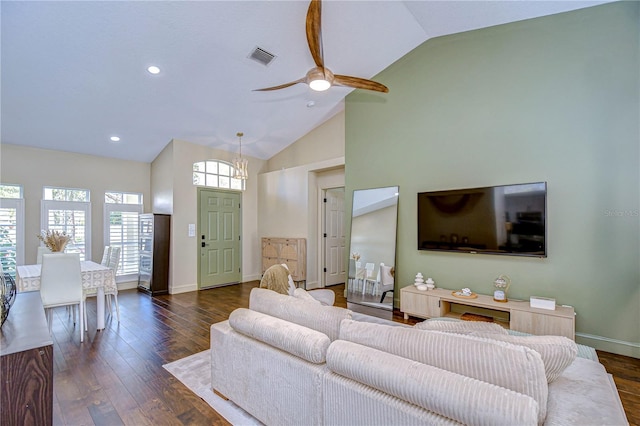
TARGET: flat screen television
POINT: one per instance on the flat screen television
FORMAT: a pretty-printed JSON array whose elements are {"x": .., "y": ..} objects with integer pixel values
[{"x": 506, "y": 219}]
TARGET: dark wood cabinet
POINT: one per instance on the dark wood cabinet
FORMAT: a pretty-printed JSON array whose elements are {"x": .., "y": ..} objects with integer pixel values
[
  {"x": 26, "y": 364},
  {"x": 154, "y": 233}
]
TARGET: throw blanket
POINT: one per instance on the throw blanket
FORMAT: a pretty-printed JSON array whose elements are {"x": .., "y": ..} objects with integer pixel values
[{"x": 276, "y": 278}]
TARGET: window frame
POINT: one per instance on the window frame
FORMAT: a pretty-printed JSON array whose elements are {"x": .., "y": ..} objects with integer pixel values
[
  {"x": 85, "y": 206},
  {"x": 121, "y": 207},
  {"x": 232, "y": 169},
  {"x": 18, "y": 204}
]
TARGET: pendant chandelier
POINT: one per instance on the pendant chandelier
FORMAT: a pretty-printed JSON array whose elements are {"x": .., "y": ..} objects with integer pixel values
[{"x": 241, "y": 165}]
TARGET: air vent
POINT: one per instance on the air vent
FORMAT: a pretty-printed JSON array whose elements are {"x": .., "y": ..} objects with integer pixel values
[{"x": 262, "y": 56}]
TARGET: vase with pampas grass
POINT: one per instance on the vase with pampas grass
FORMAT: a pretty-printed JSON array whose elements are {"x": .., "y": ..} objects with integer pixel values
[{"x": 56, "y": 241}]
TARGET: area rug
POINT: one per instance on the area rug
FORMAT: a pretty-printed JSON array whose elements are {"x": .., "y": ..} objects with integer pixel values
[{"x": 194, "y": 372}]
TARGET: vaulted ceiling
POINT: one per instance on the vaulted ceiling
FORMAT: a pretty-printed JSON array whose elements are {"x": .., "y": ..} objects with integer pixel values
[{"x": 75, "y": 73}]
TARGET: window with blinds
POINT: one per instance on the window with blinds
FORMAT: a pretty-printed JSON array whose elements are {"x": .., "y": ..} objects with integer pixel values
[
  {"x": 11, "y": 228},
  {"x": 68, "y": 210},
  {"x": 121, "y": 230}
]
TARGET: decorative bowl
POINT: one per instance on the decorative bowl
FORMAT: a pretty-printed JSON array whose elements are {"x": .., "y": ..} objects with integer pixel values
[{"x": 421, "y": 287}]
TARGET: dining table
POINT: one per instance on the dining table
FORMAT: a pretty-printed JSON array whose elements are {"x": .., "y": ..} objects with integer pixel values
[{"x": 96, "y": 279}]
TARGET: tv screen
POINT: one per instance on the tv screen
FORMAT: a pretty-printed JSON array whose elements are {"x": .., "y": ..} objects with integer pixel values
[{"x": 507, "y": 219}]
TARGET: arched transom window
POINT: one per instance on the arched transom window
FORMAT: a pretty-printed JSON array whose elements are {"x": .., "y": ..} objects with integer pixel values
[{"x": 216, "y": 174}]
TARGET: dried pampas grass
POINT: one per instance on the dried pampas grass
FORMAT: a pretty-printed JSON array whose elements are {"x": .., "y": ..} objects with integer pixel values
[{"x": 56, "y": 241}]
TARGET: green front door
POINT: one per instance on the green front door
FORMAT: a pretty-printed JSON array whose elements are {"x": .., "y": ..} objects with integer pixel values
[{"x": 219, "y": 238}]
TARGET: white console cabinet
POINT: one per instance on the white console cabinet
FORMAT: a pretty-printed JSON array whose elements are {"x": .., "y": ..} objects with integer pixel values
[{"x": 521, "y": 317}]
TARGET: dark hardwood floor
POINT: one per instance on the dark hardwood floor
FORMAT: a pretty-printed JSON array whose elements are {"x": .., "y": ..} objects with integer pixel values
[{"x": 116, "y": 377}]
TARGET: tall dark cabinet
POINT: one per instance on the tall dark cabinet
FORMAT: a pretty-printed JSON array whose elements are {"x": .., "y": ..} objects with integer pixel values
[{"x": 154, "y": 253}]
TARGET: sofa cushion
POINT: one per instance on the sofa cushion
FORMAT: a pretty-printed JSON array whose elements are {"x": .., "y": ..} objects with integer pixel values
[
  {"x": 461, "y": 327},
  {"x": 585, "y": 394},
  {"x": 504, "y": 364},
  {"x": 451, "y": 395},
  {"x": 300, "y": 341},
  {"x": 325, "y": 319},
  {"x": 301, "y": 293},
  {"x": 557, "y": 352}
]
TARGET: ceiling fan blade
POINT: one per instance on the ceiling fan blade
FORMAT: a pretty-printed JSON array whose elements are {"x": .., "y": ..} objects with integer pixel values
[
  {"x": 282, "y": 86},
  {"x": 314, "y": 31},
  {"x": 359, "y": 83}
]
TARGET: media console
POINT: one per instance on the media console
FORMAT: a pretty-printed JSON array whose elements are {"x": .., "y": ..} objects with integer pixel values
[{"x": 519, "y": 315}]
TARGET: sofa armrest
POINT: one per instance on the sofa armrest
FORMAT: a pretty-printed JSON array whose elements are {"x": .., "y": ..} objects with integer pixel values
[
  {"x": 292, "y": 338},
  {"x": 461, "y": 398}
]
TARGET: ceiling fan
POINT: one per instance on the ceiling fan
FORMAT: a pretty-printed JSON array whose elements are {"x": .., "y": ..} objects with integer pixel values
[{"x": 321, "y": 78}]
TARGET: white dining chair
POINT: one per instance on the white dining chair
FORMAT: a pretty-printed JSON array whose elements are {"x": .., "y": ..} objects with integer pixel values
[
  {"x": 370, "y": 277},
  {"x": 42, "y": 250},
  {"x": 386, "y": 283},
  {"x": 359, "y": 281},
  {"x": 61, "y": 285},
  {"x": 105, "y": 256},
  {"x": 351, "y": 279},
  {"x": 114, "y": 261}
]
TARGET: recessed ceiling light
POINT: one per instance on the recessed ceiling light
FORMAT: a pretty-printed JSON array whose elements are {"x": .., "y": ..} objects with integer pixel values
[
  {"x": 153, "y": 69},
  {"x": 115, "y": 138}
]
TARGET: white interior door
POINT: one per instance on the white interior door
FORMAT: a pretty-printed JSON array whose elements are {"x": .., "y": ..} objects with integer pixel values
[{"x": 334, "y": 237}]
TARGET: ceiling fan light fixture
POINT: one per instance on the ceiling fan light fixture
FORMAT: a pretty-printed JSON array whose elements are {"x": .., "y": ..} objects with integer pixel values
[
  {"x": 319, "y": 79},
  {"x": 319, "y": 85}
]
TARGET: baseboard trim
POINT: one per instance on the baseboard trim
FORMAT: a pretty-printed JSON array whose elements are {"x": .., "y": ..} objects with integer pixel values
[
  {"x": 620, "y": 347},
  {"x": 127, "y": 285},
  {"x": 185, "y": 288},
  {"x": 246, "y": 278}
]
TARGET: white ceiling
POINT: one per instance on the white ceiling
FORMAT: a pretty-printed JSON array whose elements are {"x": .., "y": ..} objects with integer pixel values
[{"x": 74, "y": 73}]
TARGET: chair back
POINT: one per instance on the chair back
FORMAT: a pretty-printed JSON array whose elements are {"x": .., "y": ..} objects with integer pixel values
[
  {"x": 114, "y": 259},
  {"x": 370, "y": 267},
  {"x": 352, "y": 268},
  {"x": 105, "y": 256},
  {"x": 60, "y": 280},
  {"x": 359, "y": 270},
  {"x": 42, "y": 250},
  {"x": 385, "y": 275}
]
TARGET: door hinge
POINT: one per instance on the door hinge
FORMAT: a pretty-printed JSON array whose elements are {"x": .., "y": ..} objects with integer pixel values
[
  {"x": 325, "y": 200},
  {"x": 238, "y": 237},
  {"x": 325, "y": 235},
  {"x": 325, "y": 269}
]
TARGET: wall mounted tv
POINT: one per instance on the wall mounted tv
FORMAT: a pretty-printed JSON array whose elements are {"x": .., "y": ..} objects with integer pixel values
[{"x": 506, "y": 219}]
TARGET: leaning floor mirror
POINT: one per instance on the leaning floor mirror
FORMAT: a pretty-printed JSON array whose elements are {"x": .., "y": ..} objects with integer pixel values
[{"x": 372, "y": 249}]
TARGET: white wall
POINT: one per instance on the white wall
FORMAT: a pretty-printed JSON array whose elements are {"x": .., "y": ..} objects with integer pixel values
[
  {"x": 34, "y": 168},
  {"x": 178, "y": 167},
  {"x": 325, "y": 142},
  {"x": 162, "y": 181},
  {"x": 288, "y": 201}
]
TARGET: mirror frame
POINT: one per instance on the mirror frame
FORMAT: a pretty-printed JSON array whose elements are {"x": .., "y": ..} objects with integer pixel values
[{"x": 380, "y": 246}]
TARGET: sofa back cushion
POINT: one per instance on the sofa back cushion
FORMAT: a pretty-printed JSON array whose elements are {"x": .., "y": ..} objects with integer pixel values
[
  {"x": 451, "y": 395},
  {"x": 460, "y": 327},
  {"x": 302, "y": 342},
  {"x": 503, "y": 364},
  {"x": 557, "y": 352},
  {"x": 325, "y": 319}
]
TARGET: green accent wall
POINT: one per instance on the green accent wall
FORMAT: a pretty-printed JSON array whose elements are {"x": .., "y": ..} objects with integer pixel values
[{"x": 552, "y": 99}]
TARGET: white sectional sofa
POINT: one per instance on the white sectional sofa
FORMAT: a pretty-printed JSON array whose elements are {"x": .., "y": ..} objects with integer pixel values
[{"x": 291, "y": 361}]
